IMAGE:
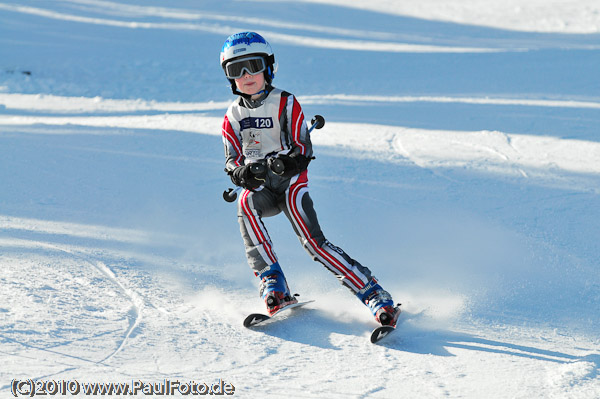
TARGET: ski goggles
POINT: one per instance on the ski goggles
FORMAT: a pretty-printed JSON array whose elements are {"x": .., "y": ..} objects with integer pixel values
[{"x": 253, "y": 65}]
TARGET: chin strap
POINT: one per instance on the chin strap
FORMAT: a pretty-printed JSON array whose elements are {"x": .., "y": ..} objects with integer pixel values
[{"x": 265, "y": 91}]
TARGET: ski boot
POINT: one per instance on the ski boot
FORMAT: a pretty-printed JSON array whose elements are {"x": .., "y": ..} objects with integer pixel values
[
  {"x": 380, "y": 302},
  {"x": 274, "y": 289}
]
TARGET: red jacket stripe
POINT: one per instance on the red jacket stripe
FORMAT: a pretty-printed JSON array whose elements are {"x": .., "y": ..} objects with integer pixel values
[
  {"x": 297, "y": 122},
  {"x": 231, "y": 137}
]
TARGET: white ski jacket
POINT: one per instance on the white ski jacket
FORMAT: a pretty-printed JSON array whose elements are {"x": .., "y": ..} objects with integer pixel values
[{"x": 254, "y": 129}]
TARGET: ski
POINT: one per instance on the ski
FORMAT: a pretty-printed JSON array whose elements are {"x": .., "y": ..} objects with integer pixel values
[
  {"x": 254, "y": 319},
  {"x": 380, "y": 333}
]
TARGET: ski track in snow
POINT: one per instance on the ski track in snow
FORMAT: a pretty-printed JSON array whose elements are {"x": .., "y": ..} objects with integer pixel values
[
  {"x": 86, "y": 260},
  {"x": 276, "y": 37},
  {"x": 426, "y": 148},
  {"x": 475, "y": 182}
]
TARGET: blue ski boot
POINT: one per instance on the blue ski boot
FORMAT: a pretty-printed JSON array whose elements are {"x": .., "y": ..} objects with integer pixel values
[
  {"x": 274, "y": 289},
  {"x": 380, "y": 302}
]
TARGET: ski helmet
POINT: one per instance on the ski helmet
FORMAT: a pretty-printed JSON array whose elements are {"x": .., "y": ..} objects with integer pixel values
[{"x": 248, "y": 44}]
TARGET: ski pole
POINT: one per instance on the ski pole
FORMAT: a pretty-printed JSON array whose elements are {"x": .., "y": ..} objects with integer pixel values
[{"x": 230, "y": 195}]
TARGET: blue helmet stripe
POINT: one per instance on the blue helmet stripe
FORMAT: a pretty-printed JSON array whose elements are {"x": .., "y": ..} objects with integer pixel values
[{"x": 246, "y": 38}]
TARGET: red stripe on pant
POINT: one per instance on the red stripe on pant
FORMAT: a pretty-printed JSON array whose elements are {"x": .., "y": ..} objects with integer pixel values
[
  {"x": 331, "y": 260},
  {"x": 254, "y": 222}
]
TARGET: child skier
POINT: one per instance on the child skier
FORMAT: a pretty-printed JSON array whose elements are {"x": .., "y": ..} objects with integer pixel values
[{"x": 267, "y": 150}]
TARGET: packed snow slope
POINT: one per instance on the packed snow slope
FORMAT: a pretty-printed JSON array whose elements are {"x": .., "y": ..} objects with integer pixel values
[{"x": 460, "y": 161}]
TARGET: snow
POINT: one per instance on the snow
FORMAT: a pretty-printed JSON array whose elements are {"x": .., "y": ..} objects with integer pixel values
[
  {"x": 460, "y": 161},
  {"x": 564, "y": 16}
]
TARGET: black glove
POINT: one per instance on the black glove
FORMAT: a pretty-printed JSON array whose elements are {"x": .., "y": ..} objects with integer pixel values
[
  {"x": 249, "y": 176},
  {"x": 288, "y": 165}
]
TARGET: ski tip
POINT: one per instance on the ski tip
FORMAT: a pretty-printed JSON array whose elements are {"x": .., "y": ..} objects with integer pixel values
[
  {"x": 255, "y": 318},
  {"x": 380, "y": 333}
]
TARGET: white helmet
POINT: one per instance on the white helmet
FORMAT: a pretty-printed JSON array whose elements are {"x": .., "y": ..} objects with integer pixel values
[{"x": 248, "y": 44}]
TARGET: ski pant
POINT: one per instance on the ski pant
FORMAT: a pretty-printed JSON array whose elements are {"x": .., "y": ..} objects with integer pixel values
[{"x": 291, "y": 196}]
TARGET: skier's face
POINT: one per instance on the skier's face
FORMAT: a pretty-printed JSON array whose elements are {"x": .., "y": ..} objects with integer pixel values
[{"x": 250, "y": 84}]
